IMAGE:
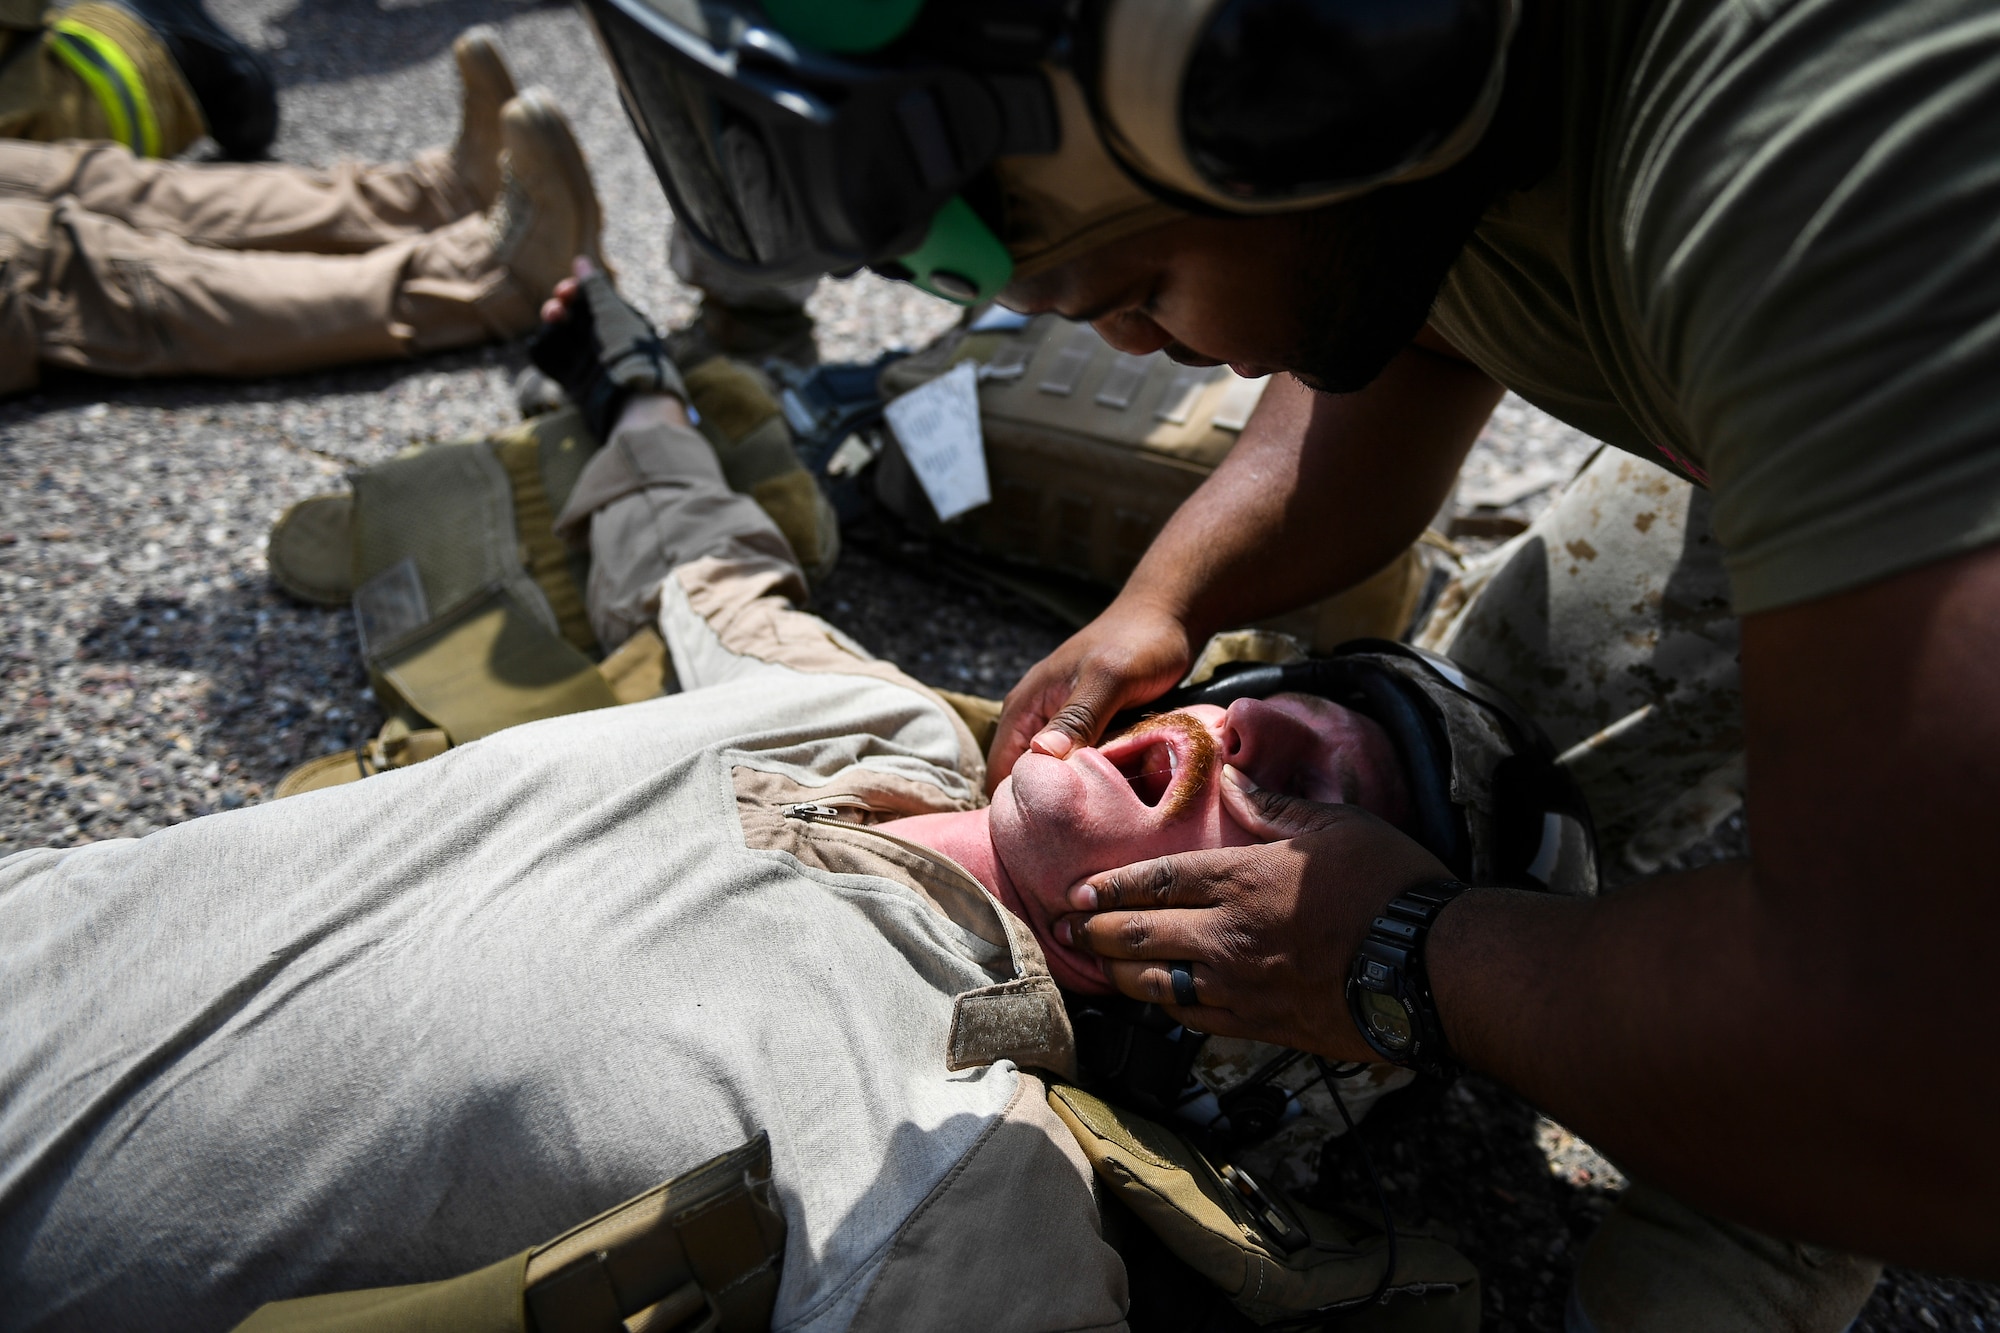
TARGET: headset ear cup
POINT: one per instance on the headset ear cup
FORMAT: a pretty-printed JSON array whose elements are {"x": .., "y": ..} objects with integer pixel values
[
  {"x": 1275, "y": 105},
  {"x": 1425, "y": 751}
]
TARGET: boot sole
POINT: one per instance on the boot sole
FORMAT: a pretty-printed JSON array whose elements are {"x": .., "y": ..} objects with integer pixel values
[{"x": 542, "y": 110}]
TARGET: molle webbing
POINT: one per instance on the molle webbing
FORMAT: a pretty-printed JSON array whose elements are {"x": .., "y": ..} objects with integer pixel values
[
  {"x": 707, "y": 1243},
  {"x": 530, "y": 454},
  {"x": 470, "y": 609},
  {"x": 1089, "y": 452}
]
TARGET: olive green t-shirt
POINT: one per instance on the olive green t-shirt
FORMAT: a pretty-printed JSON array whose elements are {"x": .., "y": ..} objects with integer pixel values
[{"x": 1769, "y": 258}]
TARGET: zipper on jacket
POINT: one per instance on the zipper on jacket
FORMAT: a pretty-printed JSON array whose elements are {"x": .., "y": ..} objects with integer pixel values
[{"x": 833, "y": 807}]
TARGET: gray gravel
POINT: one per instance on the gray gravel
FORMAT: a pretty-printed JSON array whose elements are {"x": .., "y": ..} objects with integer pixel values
[{"x": 149, "y": 674}]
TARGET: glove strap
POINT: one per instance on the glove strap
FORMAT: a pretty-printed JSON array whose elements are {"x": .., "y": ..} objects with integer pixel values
[{"x": 602, "y": 353}]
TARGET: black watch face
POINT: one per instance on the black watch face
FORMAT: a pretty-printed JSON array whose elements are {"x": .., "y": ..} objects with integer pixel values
[{"x": 1387, "y": 1022}]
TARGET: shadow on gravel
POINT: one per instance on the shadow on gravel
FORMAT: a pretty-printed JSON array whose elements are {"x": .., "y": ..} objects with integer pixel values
[
  {"x": 948, "y": 633},
  {"x": 1469, "y": 1157},
  {"x": 329, "y": 41},
  {"x": 285, "y": 681},
  {"x": 1913, "y": 1301}
]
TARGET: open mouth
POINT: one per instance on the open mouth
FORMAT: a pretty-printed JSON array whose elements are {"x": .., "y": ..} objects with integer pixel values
[
  {"x": 1166, "y": 759},
  {"x": 1150, "y": 769}
]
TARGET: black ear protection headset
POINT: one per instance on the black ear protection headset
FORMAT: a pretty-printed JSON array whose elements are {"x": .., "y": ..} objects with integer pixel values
[
  {"x": 797, "y": 137},
  {"x": 1268, "y": 106}
]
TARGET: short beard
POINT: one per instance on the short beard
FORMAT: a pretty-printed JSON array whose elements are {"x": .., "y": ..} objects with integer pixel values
[{"x": 1381, "y": 260}]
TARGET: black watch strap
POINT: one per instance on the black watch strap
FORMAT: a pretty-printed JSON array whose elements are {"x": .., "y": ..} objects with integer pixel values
[{"x": 1388, "y": 987}]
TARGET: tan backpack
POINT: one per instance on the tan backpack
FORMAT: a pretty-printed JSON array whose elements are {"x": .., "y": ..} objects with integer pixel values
[{"x": 1089, "y": 451}]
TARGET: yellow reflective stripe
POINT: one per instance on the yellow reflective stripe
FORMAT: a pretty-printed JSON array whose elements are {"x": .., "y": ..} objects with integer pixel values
[
  {"x": 110, "y": 74},
  {"x": 77, "y": 53}
]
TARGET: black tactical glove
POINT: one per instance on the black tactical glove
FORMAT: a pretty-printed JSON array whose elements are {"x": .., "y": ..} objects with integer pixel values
[{"x": 602, "y": 352}]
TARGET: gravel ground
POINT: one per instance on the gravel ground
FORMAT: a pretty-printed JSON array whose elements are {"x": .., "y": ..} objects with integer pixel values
[{"x": 149, "y": 674}]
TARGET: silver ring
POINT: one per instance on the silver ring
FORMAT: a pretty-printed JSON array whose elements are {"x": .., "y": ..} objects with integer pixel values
[{"x": 1182, "y": 975}]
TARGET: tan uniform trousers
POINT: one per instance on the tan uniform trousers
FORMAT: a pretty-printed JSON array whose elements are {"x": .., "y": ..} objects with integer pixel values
[
  {"x": 1609, "y": 620},
  {"x": 133, "y": 267}
]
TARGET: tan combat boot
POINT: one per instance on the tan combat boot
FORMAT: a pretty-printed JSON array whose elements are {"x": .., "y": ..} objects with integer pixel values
[
  {"x": 488, "y": 86},
  {"x": 548, "y": 212},
  {"x": 486, "y": 275}
]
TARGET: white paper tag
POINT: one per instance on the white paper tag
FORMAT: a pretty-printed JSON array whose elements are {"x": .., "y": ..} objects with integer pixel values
[{"x": 938, "y": 427}]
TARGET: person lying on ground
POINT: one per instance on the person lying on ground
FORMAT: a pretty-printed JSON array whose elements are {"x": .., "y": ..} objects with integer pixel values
[
  {"x": 395, "y": 1030},
  {"x": 131, "y": 267}
]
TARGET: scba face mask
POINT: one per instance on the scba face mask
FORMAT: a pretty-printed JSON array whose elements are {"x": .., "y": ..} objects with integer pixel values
[{"x": 945, "y": 141}]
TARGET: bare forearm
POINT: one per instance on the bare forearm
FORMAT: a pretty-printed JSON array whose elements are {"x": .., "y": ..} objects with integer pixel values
[
  {"x": 1807, "y": 1044},
  {"x": 1803, "y": 1043},
  {"x": 1321, "y": 492},
  {"x": 1684, "y": 1025}
]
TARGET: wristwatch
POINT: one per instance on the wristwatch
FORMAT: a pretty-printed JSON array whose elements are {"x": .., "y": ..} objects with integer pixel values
[{"x": 1388, "y": 989}]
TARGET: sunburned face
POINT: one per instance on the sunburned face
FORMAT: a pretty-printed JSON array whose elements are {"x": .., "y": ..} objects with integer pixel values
[{"x": 1156, "y": 790}]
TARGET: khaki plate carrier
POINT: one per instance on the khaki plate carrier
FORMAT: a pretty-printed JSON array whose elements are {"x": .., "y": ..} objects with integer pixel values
[
  {"x": 1089, "y": 451},
  {"x": 470, "y": 609}
]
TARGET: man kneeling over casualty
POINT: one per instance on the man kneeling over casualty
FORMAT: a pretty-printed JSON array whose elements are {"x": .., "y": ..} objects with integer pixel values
[{"x": 393, "y": 1031}]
